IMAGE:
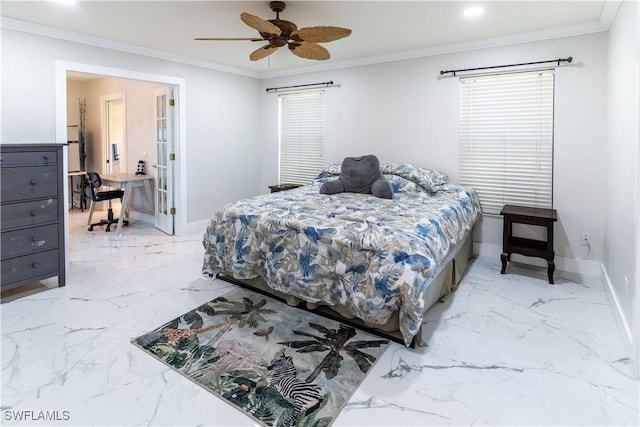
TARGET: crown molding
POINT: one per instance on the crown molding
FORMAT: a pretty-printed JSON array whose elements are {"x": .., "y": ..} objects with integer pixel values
[
  {"x": 609, "y": 11},
  {"x": 56, "y": 33},
  {"x": 607, "y": 16},
  {"x": 554, "y": 33}
]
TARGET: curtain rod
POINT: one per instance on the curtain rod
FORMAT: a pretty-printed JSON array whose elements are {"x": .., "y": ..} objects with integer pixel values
[
  {"x": 275, "y": 89},
  {"x": 559, "y": 60}
]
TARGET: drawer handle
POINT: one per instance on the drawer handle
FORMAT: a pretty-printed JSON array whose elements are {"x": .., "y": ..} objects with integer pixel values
[
  {"x": 33, "y": 213},
  {"x": 46, "y": 157},
  {"x": 34, "y": 265},
  {"x": 33, "y": 182},
  {"x": 38, "y": 242}
]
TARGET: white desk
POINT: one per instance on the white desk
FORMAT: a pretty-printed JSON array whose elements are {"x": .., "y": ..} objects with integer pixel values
[{"x": 128, "y": 182}]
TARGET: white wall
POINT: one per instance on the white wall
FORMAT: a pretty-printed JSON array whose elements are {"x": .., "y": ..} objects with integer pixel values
[
  {"x": 404, "y": 112},
  {"x": 621, "y": 166},
  {"x": 221, "y": 133}
]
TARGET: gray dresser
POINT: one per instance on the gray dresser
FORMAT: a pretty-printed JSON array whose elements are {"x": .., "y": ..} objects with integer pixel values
[{"x": 31, "y": 214}]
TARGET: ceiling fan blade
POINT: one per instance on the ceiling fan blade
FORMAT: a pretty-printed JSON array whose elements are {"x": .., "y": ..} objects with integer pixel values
[
  {"x": 229, "y": 38},
  {"x": 320, "y": 34},
  {"x": 260, "y": 24},
  {"x": 262, "y": 52},
  {"x": 309, "y": 51}
]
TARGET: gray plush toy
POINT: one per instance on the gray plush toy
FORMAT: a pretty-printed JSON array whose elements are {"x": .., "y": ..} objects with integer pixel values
[{"x": 360, "y": 175}]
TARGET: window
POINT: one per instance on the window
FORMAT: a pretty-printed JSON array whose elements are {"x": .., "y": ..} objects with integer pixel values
[
  {"x": 301, "y": 137},
  {"x": 506, "y": 138}
]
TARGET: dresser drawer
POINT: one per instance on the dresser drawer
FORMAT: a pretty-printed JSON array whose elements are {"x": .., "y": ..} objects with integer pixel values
[
  {"x": 32, "y": 214},
  {"x": 34, "y": 267},
  {"x": 29, "y": 183},
  {"x": 26, "y": 214},
  {"x": 29, "y": 240},
  {"x": 28, "y": 158}
]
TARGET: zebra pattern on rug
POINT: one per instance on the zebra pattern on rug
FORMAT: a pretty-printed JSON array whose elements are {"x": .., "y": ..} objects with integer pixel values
[
  {"x": 305, "y": 396},
  {"x": 280, "y": 365}
]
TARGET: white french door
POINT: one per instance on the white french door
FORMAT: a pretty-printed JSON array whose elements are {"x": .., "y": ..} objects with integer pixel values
[{"x": 165, "y": 165}]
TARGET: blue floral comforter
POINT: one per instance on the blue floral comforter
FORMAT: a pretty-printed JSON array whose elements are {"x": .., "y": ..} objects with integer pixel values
[{"x": 372, "y": 256}]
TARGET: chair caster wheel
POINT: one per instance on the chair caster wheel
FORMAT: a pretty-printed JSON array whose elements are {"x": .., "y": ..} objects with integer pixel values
[
  {"x": 125, "y": 223},
  {"x": 90, "y": 228},
  {"x": 108, "y": 229}
]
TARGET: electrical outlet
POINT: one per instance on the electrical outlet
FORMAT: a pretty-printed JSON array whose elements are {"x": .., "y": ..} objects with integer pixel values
[{"x": 585, "y": 239}]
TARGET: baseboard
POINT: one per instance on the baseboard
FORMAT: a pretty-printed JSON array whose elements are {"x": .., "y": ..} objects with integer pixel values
[
  {"x": 141, "y": 216},
  {"x": 192, "y": 228},
  {"x": 575, "y": 266},
  {"x": 623, "y": 326},
  {"x": 197, "y": 227},
  {"x": 582, "y": 267}
]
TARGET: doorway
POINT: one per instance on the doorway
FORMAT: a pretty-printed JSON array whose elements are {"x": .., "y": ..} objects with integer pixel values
[
  {"x": 114, "y": 134},
  {"x": 179, "y": 129}
]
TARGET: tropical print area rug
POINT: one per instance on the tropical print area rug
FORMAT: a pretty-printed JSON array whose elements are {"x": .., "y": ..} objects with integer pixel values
[{"x": 282, "y": 366}]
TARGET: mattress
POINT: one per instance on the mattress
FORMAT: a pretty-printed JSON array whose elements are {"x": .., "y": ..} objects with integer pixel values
[{"x": 368, "y": 258}]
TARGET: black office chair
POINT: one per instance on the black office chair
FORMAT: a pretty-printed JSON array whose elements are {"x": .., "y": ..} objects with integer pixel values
[{"x": 95, "y": 182}]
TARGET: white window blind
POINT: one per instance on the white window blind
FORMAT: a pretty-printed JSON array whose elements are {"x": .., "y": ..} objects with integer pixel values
[
  {"x": 506, "y": 138},
  {"x": 301, "y": 137}
]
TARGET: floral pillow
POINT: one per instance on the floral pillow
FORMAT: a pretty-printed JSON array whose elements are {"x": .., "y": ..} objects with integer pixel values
[
  {"x": 404, "y": 177},
  {"x": 430, "y": 179},
  {"x": 332, "y": 170},
  {"x": 401, "y": 185}
]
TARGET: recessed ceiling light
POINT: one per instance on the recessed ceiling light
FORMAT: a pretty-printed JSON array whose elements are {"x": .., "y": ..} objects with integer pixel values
[{"x": 473, "y": 12}]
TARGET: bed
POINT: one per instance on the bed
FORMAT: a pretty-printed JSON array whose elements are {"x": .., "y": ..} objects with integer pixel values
[{"x": 379, "y": 263}]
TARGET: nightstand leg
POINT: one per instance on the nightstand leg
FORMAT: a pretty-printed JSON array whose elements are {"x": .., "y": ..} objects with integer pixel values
[
  {"x": 504, "y": 257},
  {"x": 550, "y": 269}
]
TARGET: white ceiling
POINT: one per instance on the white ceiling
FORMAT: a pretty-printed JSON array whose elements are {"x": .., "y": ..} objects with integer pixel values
[{"x": 382, "y": 30}]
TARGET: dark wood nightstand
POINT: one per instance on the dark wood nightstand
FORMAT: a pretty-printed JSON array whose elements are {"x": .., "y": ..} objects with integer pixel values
[
  {"x": 283, "y": 187},
  {"x": 528, "y": 247}
]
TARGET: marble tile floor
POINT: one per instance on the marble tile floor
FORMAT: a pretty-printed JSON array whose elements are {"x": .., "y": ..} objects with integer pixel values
[{"x": 504, "y": 350}]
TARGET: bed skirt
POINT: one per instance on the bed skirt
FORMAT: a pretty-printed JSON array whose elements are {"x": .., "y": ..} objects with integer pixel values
[{"x": 441, "y": 286}]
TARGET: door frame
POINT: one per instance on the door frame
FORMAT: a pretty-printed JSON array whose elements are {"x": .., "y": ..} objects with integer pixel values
[
  {"x": 635, "y": 328},
  {"x": 104, "y": 128},
  {"x": 180, "y": 143}
]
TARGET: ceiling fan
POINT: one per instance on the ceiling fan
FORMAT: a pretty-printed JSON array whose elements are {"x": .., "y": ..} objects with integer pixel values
[{"x": 277, "y": 32}]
